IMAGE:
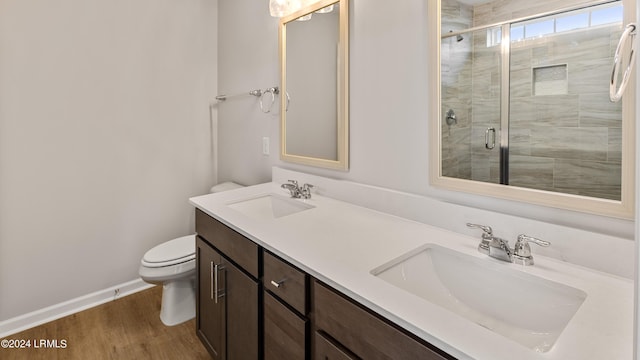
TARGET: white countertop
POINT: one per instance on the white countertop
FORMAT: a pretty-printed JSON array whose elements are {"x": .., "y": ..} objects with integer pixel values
[{"x": 340, "y": 243}]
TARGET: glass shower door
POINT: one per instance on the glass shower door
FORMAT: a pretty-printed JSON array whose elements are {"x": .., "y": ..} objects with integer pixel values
[{"x": 471, "y": 98}]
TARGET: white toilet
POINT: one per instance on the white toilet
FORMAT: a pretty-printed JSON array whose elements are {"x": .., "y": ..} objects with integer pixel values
[{"x": 173, "y": 264}]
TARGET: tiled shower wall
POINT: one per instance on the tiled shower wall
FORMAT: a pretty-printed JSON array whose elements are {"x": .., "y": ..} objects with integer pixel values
[
  {"x": 456, "y": 91},
  {"x": 565, "y": 135},
  {"x": 570, "y": 141}
]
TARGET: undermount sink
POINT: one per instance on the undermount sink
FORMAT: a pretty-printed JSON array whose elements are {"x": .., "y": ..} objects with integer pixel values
[
  {"x": 525, "y": 308},
  {"x": 269, "y": 206}
]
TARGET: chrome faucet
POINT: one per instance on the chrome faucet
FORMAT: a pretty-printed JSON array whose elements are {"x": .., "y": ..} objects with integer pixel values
[
  {"x": 499, "y": 248},
  {"x": 296, "y": 191},
  {"x": 293, "y": 188}
]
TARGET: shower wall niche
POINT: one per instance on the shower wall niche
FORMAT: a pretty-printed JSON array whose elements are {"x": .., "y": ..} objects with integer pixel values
[{"x": 561, "y": 132}]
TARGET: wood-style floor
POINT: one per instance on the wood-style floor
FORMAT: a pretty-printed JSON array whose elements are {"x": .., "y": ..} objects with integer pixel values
[{"x": 127, "y": 328}]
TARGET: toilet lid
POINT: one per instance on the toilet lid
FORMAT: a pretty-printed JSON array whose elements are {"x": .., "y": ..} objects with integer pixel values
[{"x": 172, "y": 252}]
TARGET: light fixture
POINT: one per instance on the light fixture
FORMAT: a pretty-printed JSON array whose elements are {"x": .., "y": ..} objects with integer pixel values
[
  {"x": 304, "y": 17},
  {"x": 325, "y": 10},
  {"x": 279, "y": 8}
]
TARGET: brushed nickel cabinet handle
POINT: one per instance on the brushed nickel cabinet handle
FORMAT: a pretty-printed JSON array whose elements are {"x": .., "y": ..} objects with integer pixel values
[
  {"x": 212, "y": 280},
  {"x": 215, "y": 272}
]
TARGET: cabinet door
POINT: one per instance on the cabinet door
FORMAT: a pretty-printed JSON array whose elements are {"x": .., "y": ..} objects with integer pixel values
[
  {"x": 241, "y": 299},
  {"x": 328, "y": 350},
  {"x": 285, "y": 333},
  {"x": 365, "y": 333},
  {"x": 210, "y": 314}
]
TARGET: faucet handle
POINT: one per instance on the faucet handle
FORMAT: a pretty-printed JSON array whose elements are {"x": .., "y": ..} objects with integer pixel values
[
  {"x": 522, "y": 250},
  {"x": 487, "y": 229},
  {"x": 293, "y": 188},
  {"x": 487, "y": 236},
  {"x": 306, "y": 191},
  {"x": 522, "y": 238}
]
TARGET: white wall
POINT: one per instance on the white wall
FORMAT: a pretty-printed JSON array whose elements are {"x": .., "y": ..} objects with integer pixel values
[
  {"x": 387, "y": 98},
  {"x": 104, "y": 134},
  {"x": 248, "y": 60},
  {"x": 389, "y": 110}
]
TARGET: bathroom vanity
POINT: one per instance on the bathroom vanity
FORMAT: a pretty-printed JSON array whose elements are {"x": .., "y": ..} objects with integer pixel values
[
  {"x": 285, "y": 278},
  {"x": 232, "y": 270}
]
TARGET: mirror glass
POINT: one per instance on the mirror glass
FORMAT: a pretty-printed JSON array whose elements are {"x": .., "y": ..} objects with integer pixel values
[
  {"x": 524, "y": 109},
  {"x": 314, "y": 65}
]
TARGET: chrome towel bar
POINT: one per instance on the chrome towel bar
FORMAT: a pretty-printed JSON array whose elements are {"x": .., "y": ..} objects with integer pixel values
[{"x": 257, "y": 93}]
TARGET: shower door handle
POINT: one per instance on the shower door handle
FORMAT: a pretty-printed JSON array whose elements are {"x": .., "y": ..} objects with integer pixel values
[
  {"x": 490, "y": 138},
  {"x": 616, "y": 95}
]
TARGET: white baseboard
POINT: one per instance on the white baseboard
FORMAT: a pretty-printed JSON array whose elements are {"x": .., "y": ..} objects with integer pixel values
[{"x": 38, "y": 317}]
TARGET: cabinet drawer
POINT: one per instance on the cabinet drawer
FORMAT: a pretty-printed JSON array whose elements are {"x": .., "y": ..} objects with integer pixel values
[
  {"x": 285, "y": 333},
  {"x": 364, "y": 333},
  {"x": 328, "y": 350},
  {"x": 286, "y": 282},
  {"x": 243, "y": 251}
]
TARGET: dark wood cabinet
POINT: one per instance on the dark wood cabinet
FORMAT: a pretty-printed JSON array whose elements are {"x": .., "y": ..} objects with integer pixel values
[
  {"x": 286, "y": 326},
  {"x": 210, "y": 314},
  {"x": 286, "y": 282},
  {"x": 242, "y": 313},
  {"x": 228, "y": 297},
  {"x": 364, "y": 333},
  {"x": 285, "y": 332},
  {"x": 232, "y": 244},
  {"x": 251, "y": 304},
  {"x": 328, "y": 349}
]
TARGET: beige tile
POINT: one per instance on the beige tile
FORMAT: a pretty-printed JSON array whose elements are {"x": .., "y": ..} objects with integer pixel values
[
  {"x": 597, "y": 111},
  {"x": 531, "y": 172},
  {"x": 570, "y": 143},
  {"x": 589, "y": 178}
]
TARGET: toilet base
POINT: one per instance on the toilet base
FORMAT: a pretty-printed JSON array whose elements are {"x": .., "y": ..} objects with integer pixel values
[{"x": 178, "y": 301}]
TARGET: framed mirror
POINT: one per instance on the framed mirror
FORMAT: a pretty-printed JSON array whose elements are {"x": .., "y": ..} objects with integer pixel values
[
  {"x": 521, "y": 106},
  {"x": 314, "y": 60}
]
